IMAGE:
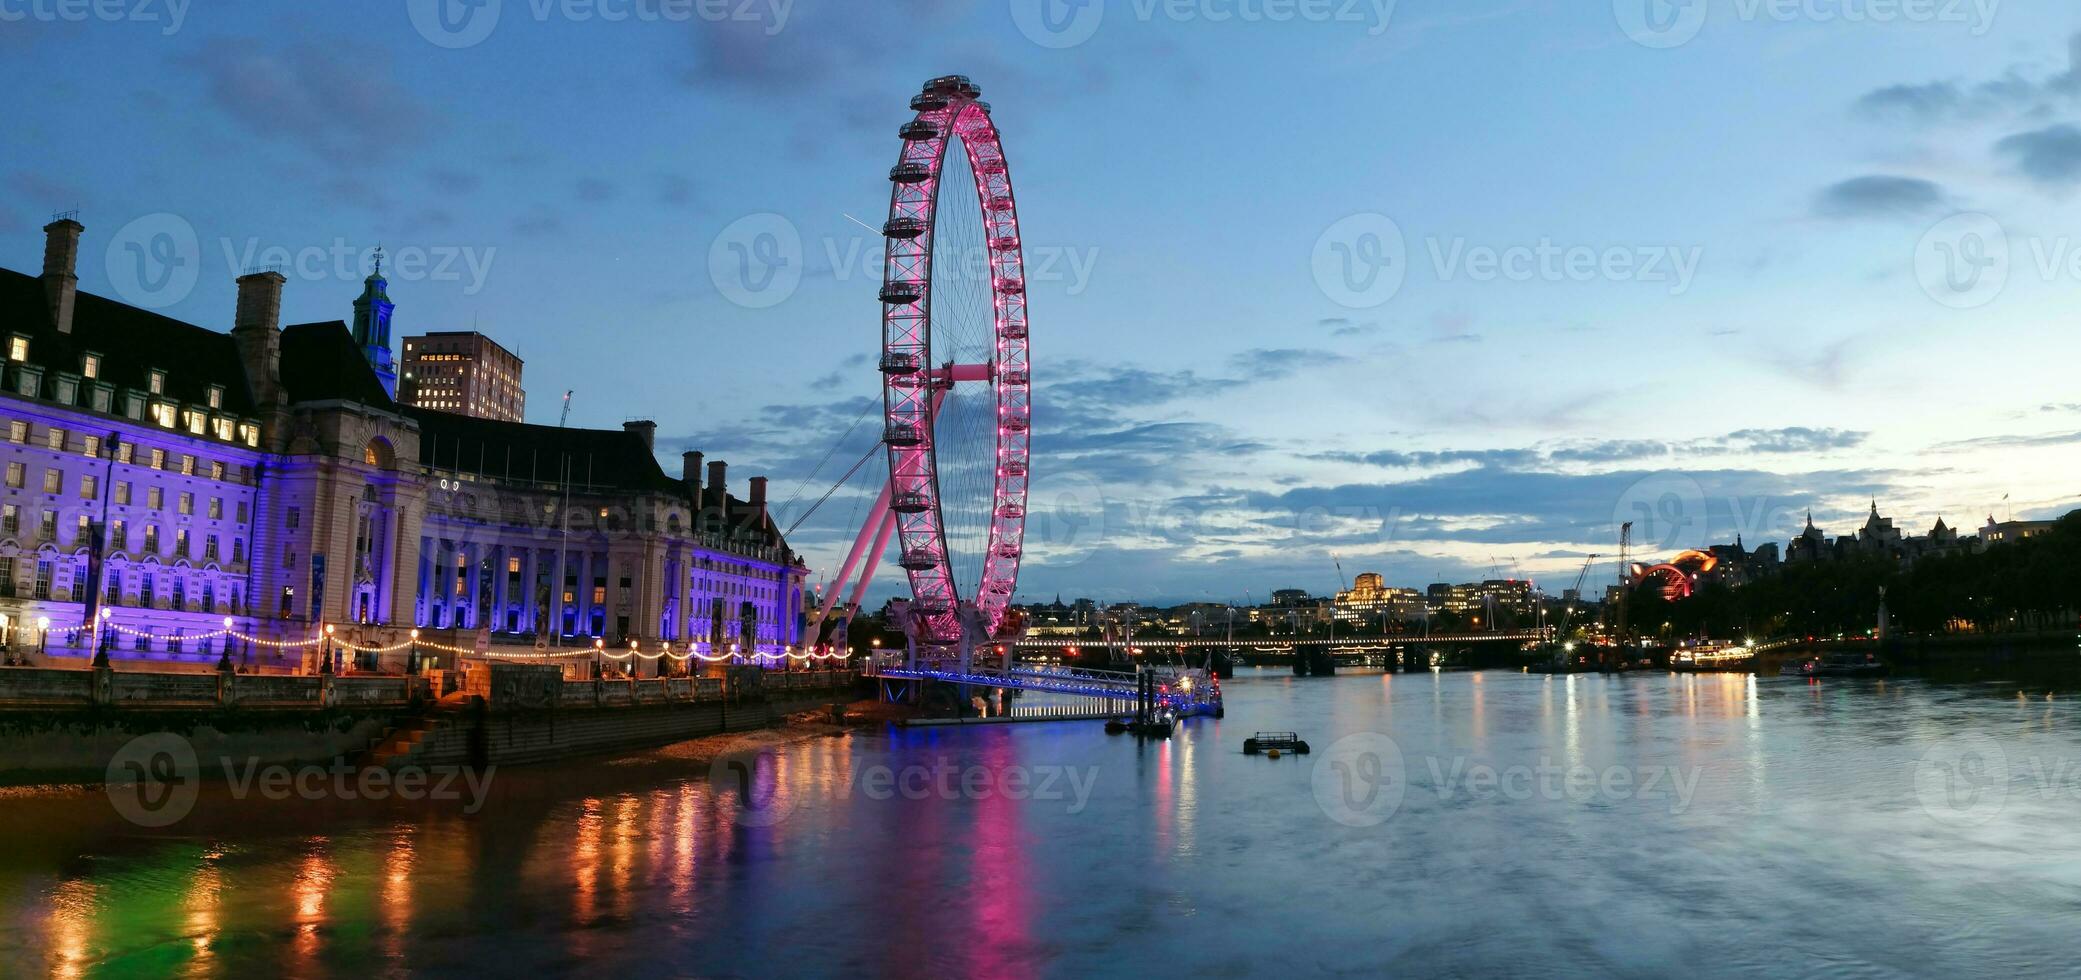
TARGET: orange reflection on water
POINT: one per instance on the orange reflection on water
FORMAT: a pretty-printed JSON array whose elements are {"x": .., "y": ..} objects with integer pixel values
[
  {"x": 397, "y": 892},
  {"x": 585, "y": 864},
  {"x": 314, "y": 879},
  {"x": 71, "y": 925},
  {"x": 626, "y": 810},
  {"x": 683, "y": 848},
  {"x": 204, "y": 898}
]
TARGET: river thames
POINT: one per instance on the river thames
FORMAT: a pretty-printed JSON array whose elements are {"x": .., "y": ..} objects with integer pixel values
[{"x": 1456, "y": 824}]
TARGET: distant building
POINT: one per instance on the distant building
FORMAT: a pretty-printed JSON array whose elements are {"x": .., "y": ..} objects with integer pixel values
[
  {"x": 459, "y": 371},
  {"x": 1370, "y": 600},
  {"x": 2007, "y": 532}
]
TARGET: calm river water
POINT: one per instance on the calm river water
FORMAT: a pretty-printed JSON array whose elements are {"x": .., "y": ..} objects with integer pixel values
[{"x": 1461, "y": 824}]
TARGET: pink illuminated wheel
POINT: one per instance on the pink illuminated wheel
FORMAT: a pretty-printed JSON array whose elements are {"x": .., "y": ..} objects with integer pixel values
[{"x": 954, "y": 363}]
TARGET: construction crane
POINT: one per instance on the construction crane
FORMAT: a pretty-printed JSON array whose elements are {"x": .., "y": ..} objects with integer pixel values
[
  {"x": 1625, "y": 556},
  {"x": 566, "y": 417},
  {"x": 1568, "y": 612}
]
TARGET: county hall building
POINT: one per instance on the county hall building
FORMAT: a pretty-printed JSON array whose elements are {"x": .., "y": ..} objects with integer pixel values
[{"x": 268, "y": 475}]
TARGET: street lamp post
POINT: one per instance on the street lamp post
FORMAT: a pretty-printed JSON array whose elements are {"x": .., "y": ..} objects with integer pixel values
[
  {"x": 96, "y": 612},
  {"x": 43, "y": 634},
  {"x": 325, "y": 665},
  {"x": 224, "y": 661}
]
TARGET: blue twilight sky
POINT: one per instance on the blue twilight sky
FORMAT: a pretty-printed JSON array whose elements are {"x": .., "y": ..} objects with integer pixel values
[{"x": 1704, "y": 266}]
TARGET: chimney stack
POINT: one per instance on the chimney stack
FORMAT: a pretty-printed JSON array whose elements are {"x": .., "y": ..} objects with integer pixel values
[
  {"x": 61, "y": 270},
  {"x": 718, "y": 472},
  {"x": 257, "y": 330},
  {"x": 758, "y": 499},
  {"x": 690, "y": 471},
  {"x": 648, "y": 430}
]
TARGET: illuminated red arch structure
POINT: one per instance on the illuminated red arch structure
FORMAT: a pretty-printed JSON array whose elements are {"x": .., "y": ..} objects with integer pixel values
[{"x": 1678, "y": 576}]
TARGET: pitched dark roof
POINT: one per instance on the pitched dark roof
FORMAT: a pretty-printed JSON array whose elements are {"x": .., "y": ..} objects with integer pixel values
[
  {"x": 132, "y": 342},
  {"x": 321, "y": 362},
  {"x": 603, "y": 458}
]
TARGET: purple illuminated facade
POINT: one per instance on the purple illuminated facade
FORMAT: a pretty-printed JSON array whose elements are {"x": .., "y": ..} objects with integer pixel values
[{"x": 266, "y": 476}]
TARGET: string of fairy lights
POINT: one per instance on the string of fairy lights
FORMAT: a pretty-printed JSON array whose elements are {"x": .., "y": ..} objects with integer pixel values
[{"x": 689, "y": 651}]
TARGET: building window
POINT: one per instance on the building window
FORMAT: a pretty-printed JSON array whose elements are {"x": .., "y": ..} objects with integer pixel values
[
  {"x": 163, "y": 413},
  {"x": 123, "y": 492},
  {"x": 216, "y": 396},
  {"x": 17, "y": 348},
  {"x": 187, "y": 503},
  {"x": 68, "y": 391},
  {"x": 18, "y": 432},
  {"x": 125, "y": 453},
  {"x": 90, "y": 446},
  {"x": 151, "y": 539},
  {"x": 53, "y": 480},
  {"x": 146, "y": 594},
  {"x": 158, "y": 459},
  {"x": 217, "y": 467},
  {"x": 102, "y": 398},
  {"x": 90, "y": 365},
  {"x": 157, "y": 383},
  {"x": 155, "y": 498},
  {"x": 188, "y": 465},
  {"x": 86, "y": 527},
  {"x": 50, "y": 525},
  {"x": 119, "y": 534},
  {"x": 241, "y": 512},
  {"x": 180, "y": 544},
  {"x": 238, "y": 551},
  {"x": 88, "y": 485},
  {"x": 209, "y": 548},
  {"x": 55, "y": 438},
  {"x": 10, "y": 519},
  {"x": 43, "y": 580},
  {"x": 293, "y": 518},
  {"x": 216, "y": 508}
]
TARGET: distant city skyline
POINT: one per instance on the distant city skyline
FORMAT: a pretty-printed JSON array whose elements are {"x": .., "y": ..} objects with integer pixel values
[{"x": 1640, "y": 277}]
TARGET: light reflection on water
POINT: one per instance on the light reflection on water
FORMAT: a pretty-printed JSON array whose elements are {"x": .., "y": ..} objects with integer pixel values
[{"x": 1807, "y": 848}]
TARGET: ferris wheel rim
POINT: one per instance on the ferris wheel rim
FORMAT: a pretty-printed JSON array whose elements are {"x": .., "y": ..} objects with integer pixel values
[{"x": 949, "y": 110}]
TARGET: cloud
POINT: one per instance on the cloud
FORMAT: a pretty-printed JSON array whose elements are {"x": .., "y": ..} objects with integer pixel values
[
  {"x": 2013, "y": 93},
  {"x": 1791, "y": 440},
  {"x": 336, "y": 100},
  {"x": 1879, "y": 196},
  {"x": 2049, "y": 156}
]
